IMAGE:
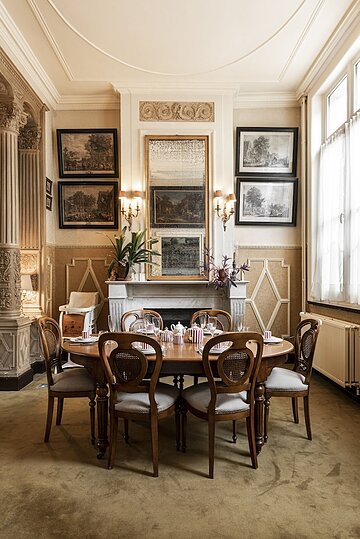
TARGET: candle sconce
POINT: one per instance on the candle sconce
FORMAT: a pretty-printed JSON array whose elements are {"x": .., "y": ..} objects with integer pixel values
[
  {"x": 127, "y": 202},
  {"x": 224, "y": 206}
]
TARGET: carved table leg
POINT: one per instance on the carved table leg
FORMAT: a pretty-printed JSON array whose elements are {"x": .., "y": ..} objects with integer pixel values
[
  {"x": 259, "y": 415},
  {"x": 266, "y": 409},
  {"x": 102, "y": 414},
  {"x": 181, "y": 410}
]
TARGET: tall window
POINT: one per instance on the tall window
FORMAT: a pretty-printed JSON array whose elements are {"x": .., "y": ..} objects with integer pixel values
[
  {"x": 336, "y": 233},
  {"x": 357, "y": 86}
]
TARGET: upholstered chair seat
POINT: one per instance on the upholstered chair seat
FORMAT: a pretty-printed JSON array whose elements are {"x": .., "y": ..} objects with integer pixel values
[
  {"x": 285, "y": 380},
  {"x": 165, "y": 397},
  {"x": 198, "y": 397},
  {"x": 73, "y": 380}
]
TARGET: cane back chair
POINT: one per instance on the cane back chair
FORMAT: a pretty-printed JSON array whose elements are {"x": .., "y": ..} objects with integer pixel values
[{"x": 133, "y": 320}]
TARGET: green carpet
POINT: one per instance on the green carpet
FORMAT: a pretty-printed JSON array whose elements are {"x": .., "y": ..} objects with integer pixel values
[{"x": 301, "y": 489}]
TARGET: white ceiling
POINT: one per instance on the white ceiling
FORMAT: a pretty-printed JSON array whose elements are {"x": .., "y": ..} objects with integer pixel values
[{"x": 81, "y": 48}]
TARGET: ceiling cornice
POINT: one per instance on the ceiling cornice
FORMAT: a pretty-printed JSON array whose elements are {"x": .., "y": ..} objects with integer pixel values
[
  {"x": 19, "y": 52},
  {"x": 343, "y": 29},
  {"x": 88, "y": 102},
  {"x": 254, "y": 100}
]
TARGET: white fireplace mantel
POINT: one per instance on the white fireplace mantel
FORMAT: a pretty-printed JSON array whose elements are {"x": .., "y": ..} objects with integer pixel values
[{"x": 127, "y": 295}]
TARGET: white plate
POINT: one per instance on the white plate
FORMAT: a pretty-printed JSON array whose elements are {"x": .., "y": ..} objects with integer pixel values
[
  {"x": 89, "y": 340},
  {"x": 217, "y": 332},
  {"x": 273, "y": 340},
  {"x": 143, "y": 332},
  {"x": 146, "y": 352}
]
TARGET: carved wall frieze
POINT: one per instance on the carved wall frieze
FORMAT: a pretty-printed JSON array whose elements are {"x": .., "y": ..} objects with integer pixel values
[
  {"x": 29, "y": 138},
  {"x": 12, "y": 116},
  {"x": 176, "y": 111}
]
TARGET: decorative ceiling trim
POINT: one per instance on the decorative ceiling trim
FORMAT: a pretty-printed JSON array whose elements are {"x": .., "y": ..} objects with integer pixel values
[
  {"x": 347, "y": 25},
  {"x": 51, "y": 39},
  {"x": 176, "y": 111},
  {"x": 265, "y": 100},
  {"x": 19, "y": 52},
  {"x": 144, "y": 70},
  {"x": 299, "y": 42},
  {"x": 88, "y": 102}
]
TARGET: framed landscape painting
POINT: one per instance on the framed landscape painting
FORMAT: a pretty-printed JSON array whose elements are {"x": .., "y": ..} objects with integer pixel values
[
  {"x": 87, "y": 153},
  {"x": 263, "y": 201},
  {"x": 177, "y": 207},
  {"x": 88, "y": 204},
  {"x": 266, "y": 151},
  {"x": 181, "y": 257}
]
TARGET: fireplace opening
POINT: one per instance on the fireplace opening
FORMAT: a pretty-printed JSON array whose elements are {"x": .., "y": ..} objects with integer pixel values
[{"x": 174, "y": 315}]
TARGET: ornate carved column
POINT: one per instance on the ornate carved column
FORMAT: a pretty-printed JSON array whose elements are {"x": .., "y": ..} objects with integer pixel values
[{"x": 14, "y": 329}]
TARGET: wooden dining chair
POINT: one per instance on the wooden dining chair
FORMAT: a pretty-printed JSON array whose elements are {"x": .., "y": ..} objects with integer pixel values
[
  {"x": 132, "y": 397},
  {"x": 69, "y": 383},
  {"x": 224, "y": 319},
  {"x": 296, "y": 382},
  {"x": 230, "y": 396},
  {"x": 135, "y": 319}
]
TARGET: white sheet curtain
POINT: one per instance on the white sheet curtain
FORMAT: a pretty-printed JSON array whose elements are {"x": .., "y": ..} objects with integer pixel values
[{"x": 336, "y": 254}]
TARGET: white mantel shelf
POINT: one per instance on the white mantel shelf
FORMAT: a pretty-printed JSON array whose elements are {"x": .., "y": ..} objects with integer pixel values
[{"x": 127, "y": 295}]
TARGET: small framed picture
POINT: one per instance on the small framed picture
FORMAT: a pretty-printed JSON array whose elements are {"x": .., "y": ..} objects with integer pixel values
[
  {"x": 263, "y": 201},
  {"x": 177, "y": 207},
  {"x": 266, "y": 151},
  {"x": 49, "y": 185},
  {"x": 87, "y": 153},
  {"x": 49, "y": 202},
  {"x": 88, "y": 204}
]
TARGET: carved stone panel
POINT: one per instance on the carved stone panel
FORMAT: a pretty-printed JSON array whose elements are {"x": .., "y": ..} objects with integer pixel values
[{"x": 176, "y": 111}]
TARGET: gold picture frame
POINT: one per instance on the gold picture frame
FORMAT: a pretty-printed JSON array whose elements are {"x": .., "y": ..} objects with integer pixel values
[{"x": 175, "y": 164}]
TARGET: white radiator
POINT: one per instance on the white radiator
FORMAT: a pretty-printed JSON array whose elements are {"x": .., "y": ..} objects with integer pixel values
[{"x": 337, "y": 353}]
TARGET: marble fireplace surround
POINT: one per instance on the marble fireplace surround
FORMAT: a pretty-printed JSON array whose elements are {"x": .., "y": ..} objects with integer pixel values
[{"x": 125, "y": 296}]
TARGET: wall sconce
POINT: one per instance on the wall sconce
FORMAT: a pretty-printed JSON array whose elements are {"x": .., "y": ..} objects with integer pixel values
[
  {"x": 126, "y": 208},
  {"x": 227, "y": 209}
]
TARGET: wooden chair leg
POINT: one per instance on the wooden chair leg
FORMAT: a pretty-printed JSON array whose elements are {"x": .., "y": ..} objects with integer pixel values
[
  {"x": 234, "y": 437},
  {"x": 126, "y": 431},
  {"x": 250, "y": 426},
  {"x": 307, "y": 417},
  {"x": 49, "y": 418},
  {"x": 183, "y": 429},
  {"x": 211, "y": 447},
  {"x": 177, "y": 429},
  {"x": 266, "y": 419},
  {"x": 113, "y": 439},
  {"x": 196, "y": 380},
  {"x": 155, "y": 444},
  {"x": 92, "y": 405},
  {"x": 295, "y": 409},
  {"x": 60, "y": 407}
]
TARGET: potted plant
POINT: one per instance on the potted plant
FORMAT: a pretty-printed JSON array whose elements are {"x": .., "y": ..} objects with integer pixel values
[
  {"x": 126, "y": 254},
  {"x": 225, "y": 274}
]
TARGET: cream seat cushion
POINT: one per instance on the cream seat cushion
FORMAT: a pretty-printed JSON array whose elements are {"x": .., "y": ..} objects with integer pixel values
[
  {"x": 165, "y": 397},
  {"x": 73, "y": 380},
  {"x": 198, "y": 397},
  {"x": 285, "y": 380}
]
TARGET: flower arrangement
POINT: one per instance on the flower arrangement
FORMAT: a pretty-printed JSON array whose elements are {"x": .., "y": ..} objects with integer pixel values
[{"x": 225, "y": 274}]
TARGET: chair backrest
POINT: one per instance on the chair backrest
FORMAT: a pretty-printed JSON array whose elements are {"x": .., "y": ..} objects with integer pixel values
[
  {"x": 83, "y": 299},
  {"x": 50, "y": 337},
  {"x": 237, "y": 366},
  {"x": 132, "y": 320},
  {"x": 126, "y": 366},
  {"x": 224, "y": 319},
  {"x": 306, "y": 335},
  {"x": 80, "y": 314}
]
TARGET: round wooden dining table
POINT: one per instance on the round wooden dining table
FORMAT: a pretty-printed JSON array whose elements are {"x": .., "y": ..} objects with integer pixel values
[{"x": 178, "y": 360}]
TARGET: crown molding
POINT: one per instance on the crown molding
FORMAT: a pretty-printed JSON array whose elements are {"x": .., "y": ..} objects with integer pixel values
[
  {"x": 251, "y": 100},
  {"x": 201, "y": 88},
  {"x": 88, "y": 102},
  {"x": 18, "y": 50},
  {"x": 347, "y": 25}
]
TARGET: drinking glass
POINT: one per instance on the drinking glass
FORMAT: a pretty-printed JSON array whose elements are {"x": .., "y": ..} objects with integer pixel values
[
  {"x": 203, "y": 319},
  {"x": 156, "y": 323},
  {"x": 211, "y": 325}
]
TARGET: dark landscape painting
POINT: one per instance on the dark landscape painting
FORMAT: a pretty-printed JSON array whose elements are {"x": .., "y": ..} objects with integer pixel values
[{"x": 178, "y": 207}]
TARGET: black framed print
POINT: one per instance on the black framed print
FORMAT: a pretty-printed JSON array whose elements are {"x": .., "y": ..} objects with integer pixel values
[
  {"x": 266, "y": 151},
  {"x": 49, "y": 202},
  {"x": 87, "y": 153},
  {"x": 48, "y": 185},
  {"x": 264, "y": 201},
  {"x": 88, "y": 204},
  {"x": 178, "y": 207}
]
